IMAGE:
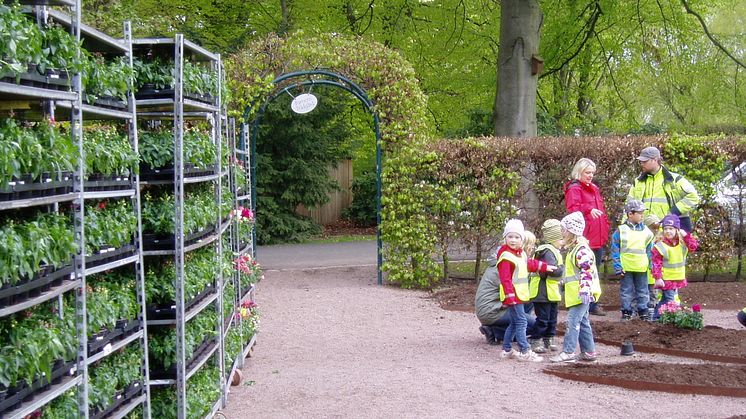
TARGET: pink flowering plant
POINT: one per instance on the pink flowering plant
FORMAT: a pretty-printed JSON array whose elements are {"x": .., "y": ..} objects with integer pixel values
[
  {"x": 245, "y": 221},
  {"x": 249, "y": 271},
  {"x": 680, "y": 316}
]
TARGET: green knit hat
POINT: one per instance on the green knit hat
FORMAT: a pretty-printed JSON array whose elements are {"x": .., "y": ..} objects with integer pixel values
[{"x": 551, "y": 230}]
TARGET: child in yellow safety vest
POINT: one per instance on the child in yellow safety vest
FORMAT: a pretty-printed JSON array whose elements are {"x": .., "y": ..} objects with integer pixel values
[
  {"x": 582, "y": 287},
  {"x": 630, "y": 250},
  {"x": 513, "y": 267},
  {"x": 544, "y": 289},
  {"x": 669, "y": 259}
]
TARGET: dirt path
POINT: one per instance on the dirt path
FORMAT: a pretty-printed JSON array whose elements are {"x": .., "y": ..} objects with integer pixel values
[{"x": 334, "y": 344}]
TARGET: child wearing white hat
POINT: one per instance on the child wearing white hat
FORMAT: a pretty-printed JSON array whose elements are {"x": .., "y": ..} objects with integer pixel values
[
  {"x": 581, "y": 288},
  {"x": 513, "y": 267}
]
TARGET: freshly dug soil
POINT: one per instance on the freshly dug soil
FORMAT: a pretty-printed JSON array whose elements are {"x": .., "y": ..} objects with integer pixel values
[
  {"x": 666, "y": 338},
  {"x": 716, "y": 379}
]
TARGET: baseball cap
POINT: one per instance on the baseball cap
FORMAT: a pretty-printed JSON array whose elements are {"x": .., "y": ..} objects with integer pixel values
[
  {"x": 649, "y": 153},
  {"x": 634, "y": 205}
]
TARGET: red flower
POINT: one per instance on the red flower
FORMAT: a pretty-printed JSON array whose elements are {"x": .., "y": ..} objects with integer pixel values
[
  {"x": 696, "y": 308},
  {"x": 102, "y": 205}
]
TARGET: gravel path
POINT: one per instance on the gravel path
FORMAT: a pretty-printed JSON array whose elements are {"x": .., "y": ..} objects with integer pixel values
[{"x": 334, "y": 344}]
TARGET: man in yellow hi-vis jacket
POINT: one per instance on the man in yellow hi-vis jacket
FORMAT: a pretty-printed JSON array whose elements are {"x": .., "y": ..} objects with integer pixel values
[{"x": 663, "y": 191}]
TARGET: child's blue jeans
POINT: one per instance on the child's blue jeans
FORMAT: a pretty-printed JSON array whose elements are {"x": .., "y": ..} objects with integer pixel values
[
  {"x": 517, "y": 329},
  {"x": 634, "y": 288},
  {"x": 578, "y": 330}
]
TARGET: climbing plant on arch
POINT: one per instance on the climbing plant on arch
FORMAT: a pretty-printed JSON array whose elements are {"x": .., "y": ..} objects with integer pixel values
[{"x": 406, "y": 129}]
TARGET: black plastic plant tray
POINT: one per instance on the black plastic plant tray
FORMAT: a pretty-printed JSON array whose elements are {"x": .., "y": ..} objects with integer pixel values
[
  {"x": 168, "y": 242},
  {"x": 34, "y": 79},
  {"x": 102, "y": 258},
  {"x": 46, "y": 278},
  {"x": 168, "y": 311},
  {"x": 147, "y": 173},
  {"x": 145, "y": 93},
  {"x": 108, "y": 102},
  {"x": 97, "y": 183},
  {"x": 123, "y": 329},
  {"x": 16, "y": 395},
  {"x": 46, "y": 185}
]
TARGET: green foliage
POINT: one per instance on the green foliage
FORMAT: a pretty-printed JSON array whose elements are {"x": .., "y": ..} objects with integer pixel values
[
  {"x": 61, "y": 50},
  {"x": 32, "y": 341},
  {"x": 109, "y": 224},
  {"x": 200, "y": 270},
  {"x": 682, "y": 317},
  {"x": 33, "y": 151},
  {"x": 200, "y": 210},
  {"x": 157, "y": 148},
  {"x": 110, "y": 297},
  {"x": 25, "y": 245},
  {"x": 63, "y": 407},
  {"x": 203, "y": 391},
  {"x": 108, "y": 152},
  {"x": 103, "y": 78},
  {"x": 158, "y": 73},
  {"x": 113, "y": 374},
  {"x": 161, "y": 341},
  {"x": 363, "y": 209},
  {"x": 20, "y": 41}
]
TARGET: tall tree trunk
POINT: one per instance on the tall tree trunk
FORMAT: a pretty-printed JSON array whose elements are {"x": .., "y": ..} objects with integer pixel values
[{"x": 515, "y": 102}]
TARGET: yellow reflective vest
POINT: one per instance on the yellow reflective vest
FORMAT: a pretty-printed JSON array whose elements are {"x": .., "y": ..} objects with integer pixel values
[
  {"x": 520, "y": 275},
  {"x": 663, "y": 191},
  {"x": 674, "y": 261},
  {"x": 633, "y": 246},
  {"x": 553, "y": 289},
  {"x": 572, "y": 278}
]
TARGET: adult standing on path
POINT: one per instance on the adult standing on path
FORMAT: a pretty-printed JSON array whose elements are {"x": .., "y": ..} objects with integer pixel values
[
  {"x": 663, "y": 191},
  {"x": 581, "y": 194}
]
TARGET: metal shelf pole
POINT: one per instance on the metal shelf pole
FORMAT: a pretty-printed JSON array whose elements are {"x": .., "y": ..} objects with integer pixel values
[
  {"x": 136, "y": 201},
  {"x": 181, "y": 401}
]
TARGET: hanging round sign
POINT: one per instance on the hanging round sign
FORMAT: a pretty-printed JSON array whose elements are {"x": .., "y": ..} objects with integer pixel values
[{"x": 304, "y": 103}]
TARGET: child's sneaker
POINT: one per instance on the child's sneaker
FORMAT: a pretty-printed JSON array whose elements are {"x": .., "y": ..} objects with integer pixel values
[
  {"x": 564, "y": 357},
  {"x": 537, "y": 346},
  {"x": 588, "y": 356},
  {"x": 549, "y": 344},
  {"x": 508, "y": 354},
  {"x": 626, "y": 317},
  {"x": 529, "y": 356}
]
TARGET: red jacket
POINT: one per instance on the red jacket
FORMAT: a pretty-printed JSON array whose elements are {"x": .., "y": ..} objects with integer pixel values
[
  {"x": 505, "y": 271},
  {"x": 585, "y": 197}
]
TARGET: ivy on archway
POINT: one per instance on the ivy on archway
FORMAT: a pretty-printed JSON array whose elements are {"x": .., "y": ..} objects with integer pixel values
[{"x": 408, "y": 235}]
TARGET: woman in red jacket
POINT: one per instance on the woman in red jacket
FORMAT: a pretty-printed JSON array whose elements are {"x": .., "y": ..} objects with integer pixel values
[{"x": 581, "y": 194}]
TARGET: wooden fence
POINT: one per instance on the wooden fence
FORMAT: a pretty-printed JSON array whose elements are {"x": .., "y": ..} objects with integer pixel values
[{"x": 330, "y": 212}]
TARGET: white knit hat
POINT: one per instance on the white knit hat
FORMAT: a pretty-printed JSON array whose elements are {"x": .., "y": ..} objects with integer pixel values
[
  {"x": 574, "y": 223},
  {"x": 514, "y": 225}
]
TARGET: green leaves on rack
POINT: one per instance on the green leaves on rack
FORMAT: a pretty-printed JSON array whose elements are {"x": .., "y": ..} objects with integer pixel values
[
  {"x": 27, "y": 244},
  {"x": 20, "y": 41},
  {"x": 157, "y": 148},
  {"x": 110, "y": 297},
  {"x": 158, "y": 74},
  {"x": 161, "y": 341},
  {"x": 32, "y": 341},
  {"x": 200, "y": 270},
  {"x": 112, "y": 374},
  {"x": 200, "y": 210},
  {"x": 108, "y": 152},
  {"x": 33, "y": 150},
  {"x": 107, "y": 79},
  {"x": 109, "y": 224},
  {"x": 203, "y": 390}
]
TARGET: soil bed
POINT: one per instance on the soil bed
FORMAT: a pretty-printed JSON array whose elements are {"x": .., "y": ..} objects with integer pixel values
[
  {"x": 711, "y": 379},
  {"x": 711, "y": 343}
]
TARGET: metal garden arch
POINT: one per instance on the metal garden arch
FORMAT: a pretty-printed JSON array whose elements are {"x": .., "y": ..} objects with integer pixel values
[{"x": 250, "y": 128}]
